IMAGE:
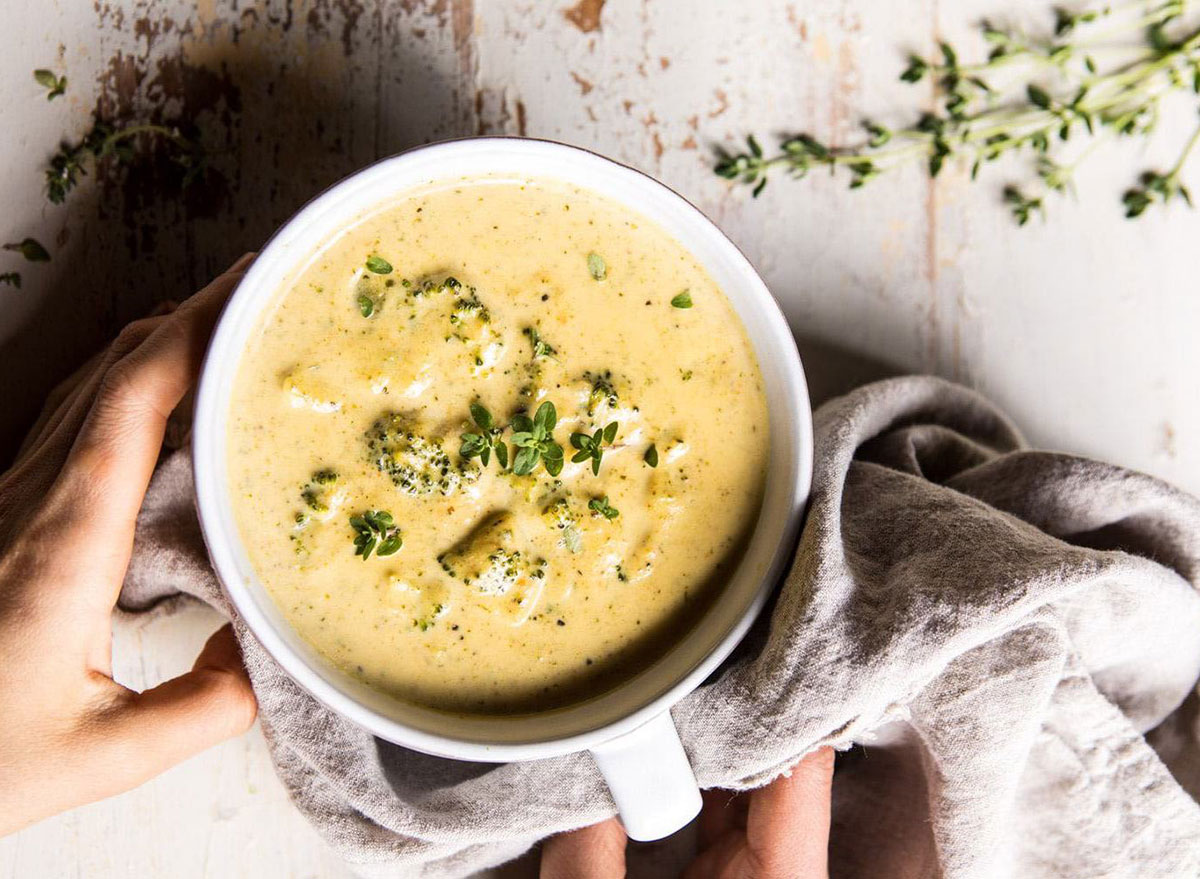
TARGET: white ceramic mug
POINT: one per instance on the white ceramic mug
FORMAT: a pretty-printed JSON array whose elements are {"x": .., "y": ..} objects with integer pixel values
[{"x": 628, "y": 729}]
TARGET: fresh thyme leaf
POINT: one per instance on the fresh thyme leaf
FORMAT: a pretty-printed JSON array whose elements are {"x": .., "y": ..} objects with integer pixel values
[
  {"x": 1038, "y": 96},
  {"x": 378, "y": 265},
  {"x": 1022, "y": 207},
  {"x": 11, "y": 278},
  {"x": 597, "y": 267},
  {"x": 366, "y": 305},
  {"x": 682, "y": 300},
  {"x": 916, "y": 70},
  {"x": 651, "y": 456},
  {"x": 47, "y": 79},
  {"x": 481, "y": 416},
  {"x": 545, "y": 418},
  {"x": 525, "y": 460},
  {"x": 30, "y": 248},
  {"x": 601, "y": 507}
]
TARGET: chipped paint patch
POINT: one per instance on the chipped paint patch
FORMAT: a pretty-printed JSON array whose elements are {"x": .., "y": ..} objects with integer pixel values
[
  {"x": 584, "y": 85},
  {"x": 585, "y": 15}
]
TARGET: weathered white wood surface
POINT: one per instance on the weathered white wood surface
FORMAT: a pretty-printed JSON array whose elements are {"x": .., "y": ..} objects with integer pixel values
[{"x": 1083, "y": 327}]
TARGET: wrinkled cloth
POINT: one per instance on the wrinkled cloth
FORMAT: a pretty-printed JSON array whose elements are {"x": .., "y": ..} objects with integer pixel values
[{"x": 1005, "y": 642}]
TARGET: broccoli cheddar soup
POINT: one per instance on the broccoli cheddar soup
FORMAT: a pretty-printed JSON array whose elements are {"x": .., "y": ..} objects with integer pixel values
[{"x": 497, "y": 445}]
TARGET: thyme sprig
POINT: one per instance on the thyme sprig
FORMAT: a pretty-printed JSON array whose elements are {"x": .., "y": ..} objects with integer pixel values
[
  {"x": 486, "y": 440},
  {"x": 533, "y": 441},
  {"x": 591, "y": 446},
  {"x": 375, "y": 530},
  {"x": 1029, "y": 95},
  {"x": 106, "y": 141}
]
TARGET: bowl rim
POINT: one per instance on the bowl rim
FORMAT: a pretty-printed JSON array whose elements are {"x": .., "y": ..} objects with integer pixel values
[{"x": 206, "y": 441}]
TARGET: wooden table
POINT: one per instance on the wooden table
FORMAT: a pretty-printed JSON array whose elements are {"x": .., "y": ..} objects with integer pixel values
[{"x": 1082, "y": 327}]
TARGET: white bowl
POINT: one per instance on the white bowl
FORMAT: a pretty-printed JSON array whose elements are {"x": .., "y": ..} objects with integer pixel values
[{"x": 628, "y": 729}]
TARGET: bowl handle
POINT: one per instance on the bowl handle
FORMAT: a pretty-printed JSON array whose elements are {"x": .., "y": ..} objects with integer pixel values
[{"x": 650, "y": 779}]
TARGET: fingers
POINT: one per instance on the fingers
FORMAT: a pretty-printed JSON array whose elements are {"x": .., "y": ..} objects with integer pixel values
[
  {"x": 160, "y": 727},
  {"x": 780, "y": 831},
  {"x": 595, "y": 852},
  {"x": 788, "y": 822},
  {"x": 94, "y": 503},
  {"x": 76, "y": 389},
  {"x": 723, "y": 811}
]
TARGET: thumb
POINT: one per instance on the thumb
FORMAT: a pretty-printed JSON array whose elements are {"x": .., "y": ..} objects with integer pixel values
[
  {"x": 185, "y": 715},
  {"x": 595, "y": 852}
]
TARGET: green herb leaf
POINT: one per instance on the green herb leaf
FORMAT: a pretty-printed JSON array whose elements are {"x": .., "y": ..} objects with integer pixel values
[
  {"x": 601, "y": 507},
  {"x": 366, "y": 305},
  {"x": 378, "y": 265},
  {"x": 544, "y": 419},
  {"x": 597, "y": 267},
  {"x": 651, "y": 456},
  {"x": 11, "y": 278},
  {"x": 56, "y": 85},
  {"x": 31, "y": 249},
  {"x": 682, "y": 300},
  {"x": 915, "y": 71},
  {"x": 1038, "y": 96},
  {"x": 481, "y": 416},
  {"x": 525, "y": 460}
]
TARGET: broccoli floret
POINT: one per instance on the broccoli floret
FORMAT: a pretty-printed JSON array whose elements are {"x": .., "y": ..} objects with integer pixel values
[
  {"x": 319, "y": 494},
  {"x": 429, "y": 287},
  {"x": 560, "y": 516},
  {"x": 327, "y": 476},
  {"x": 417, "y": 465},
  {"x": 469, "y": 307},
  {"x": 603, "y": 392},
  {"x": 486, "y": 561}
]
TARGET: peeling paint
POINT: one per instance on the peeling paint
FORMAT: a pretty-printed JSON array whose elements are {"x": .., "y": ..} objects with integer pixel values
[
  {"x": 722, "y": 103},
  {"x": 285, "y": 97},
  {"x": 584, "y": 85},
  {"x": 585, "y": 15}
]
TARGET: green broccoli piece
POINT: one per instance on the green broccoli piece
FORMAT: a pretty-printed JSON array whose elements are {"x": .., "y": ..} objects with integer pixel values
[
  {"x": 562, "y": 517},
  {"x": 603, "y": 392},
  {"x": 417, "y": 465},
  {"x": 469, "y": 307}
]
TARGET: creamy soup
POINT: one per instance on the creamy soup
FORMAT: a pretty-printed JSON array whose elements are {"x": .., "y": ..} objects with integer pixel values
[{"x": 497, "y": 445}]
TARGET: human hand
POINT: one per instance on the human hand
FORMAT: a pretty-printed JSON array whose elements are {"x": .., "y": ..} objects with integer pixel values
[
  {"x": 780, "y": 831},
  {"x": 72, "y": 734}
]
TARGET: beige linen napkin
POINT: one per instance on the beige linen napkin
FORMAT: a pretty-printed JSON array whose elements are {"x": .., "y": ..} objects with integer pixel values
[{"x": 1012, "y": 636}]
